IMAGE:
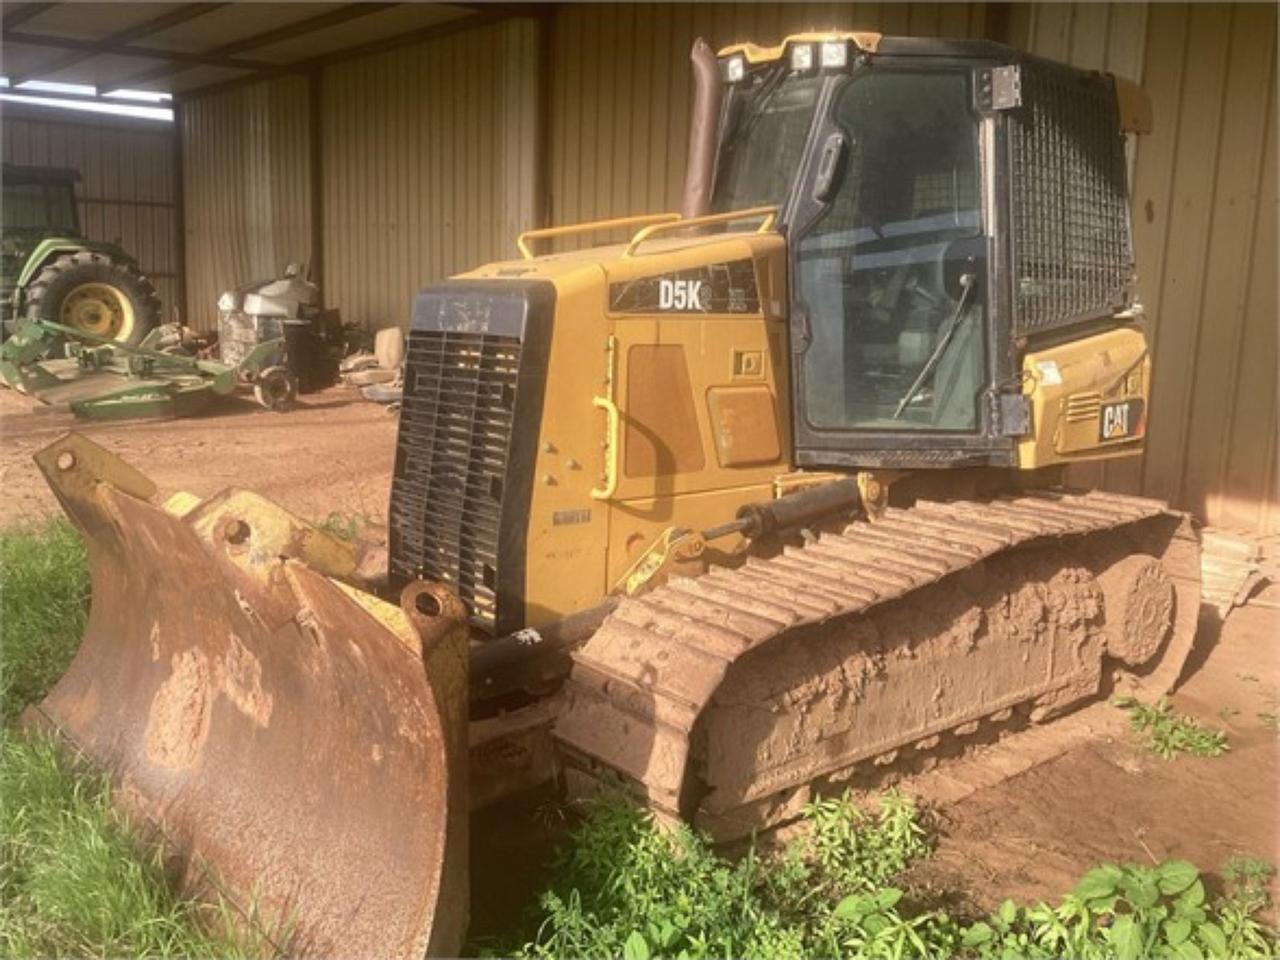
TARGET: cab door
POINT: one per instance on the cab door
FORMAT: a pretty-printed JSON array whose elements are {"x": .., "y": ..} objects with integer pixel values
[{"x": 891, "y": 340}]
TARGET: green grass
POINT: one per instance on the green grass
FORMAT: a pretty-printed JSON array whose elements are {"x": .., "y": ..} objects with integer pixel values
[
  {"x": 626, "y": 888},
  {"x": 1169, "y": 733},
  {"x": 44, "y": 592},
  {"x": 73, "y": 883}
]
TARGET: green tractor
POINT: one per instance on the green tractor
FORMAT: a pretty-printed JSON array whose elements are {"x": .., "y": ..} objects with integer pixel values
[{"x": 49, "y": 271}]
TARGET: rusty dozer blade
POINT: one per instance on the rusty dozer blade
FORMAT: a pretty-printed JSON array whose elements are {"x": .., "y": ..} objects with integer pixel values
[{"x": 300, "y": 745}]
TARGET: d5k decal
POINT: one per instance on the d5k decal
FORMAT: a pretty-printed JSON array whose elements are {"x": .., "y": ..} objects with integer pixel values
[
  {"x": 716, "y": 288},
  {"x": 680, "y": 295}
]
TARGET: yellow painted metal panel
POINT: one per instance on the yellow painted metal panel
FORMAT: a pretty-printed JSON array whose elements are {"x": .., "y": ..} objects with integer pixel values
[
  {"x": 1205, "y": 210},
  {"x": 127, "y": 180},
  {"x": 246, "y": 161},
  {"x": 428, "y": 159}
]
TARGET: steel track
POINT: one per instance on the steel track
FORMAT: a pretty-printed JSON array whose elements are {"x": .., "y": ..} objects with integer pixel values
[{"x": 643, "y": 685}]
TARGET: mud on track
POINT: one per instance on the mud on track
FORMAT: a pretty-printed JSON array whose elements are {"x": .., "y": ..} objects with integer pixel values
[{"x": 334, "y": 452}]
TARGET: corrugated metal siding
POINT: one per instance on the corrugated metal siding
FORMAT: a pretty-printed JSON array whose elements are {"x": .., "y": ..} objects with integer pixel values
[
  {"x": 246, "y": 161},
  {"x": 622, "y": 87},
  {"x": 429, "y": 153},
  {"x": 1205, "y": 211},
  {"x": 127, "y": 187}
]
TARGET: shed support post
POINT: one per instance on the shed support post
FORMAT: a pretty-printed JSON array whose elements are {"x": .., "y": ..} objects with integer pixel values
[{"x": 315, "y": 134}]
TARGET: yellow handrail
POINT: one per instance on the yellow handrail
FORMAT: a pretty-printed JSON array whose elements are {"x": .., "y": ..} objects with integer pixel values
[
  {"x": 545, "y": 233},
  {"x": 613, "y": 424},
  {"x": 770, "y": 214}
]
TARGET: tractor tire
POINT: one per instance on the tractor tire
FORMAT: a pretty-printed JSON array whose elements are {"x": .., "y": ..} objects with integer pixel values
[{"x": 95, "y": 294}]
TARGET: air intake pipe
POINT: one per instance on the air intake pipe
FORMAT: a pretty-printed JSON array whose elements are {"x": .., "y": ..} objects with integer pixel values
[{"x": 700, "y": 170}]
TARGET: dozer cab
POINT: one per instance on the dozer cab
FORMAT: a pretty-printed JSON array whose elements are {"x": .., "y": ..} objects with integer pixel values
[{"x": 760, "y": 500}]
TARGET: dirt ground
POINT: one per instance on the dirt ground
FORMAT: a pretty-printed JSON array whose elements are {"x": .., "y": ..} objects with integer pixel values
[
  {"x": 334, "y": 452},
  {"x": 1022, "y": 818},
  {"x": 1094, "y": 793}
]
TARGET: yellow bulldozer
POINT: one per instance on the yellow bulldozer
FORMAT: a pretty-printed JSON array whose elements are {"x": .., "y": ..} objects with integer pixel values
[{"x": 763, "y": 500}]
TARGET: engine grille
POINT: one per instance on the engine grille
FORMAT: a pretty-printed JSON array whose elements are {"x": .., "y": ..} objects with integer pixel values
[
  {"x": 1072, "y": 252},
  {"x": 451, "y": 464}
]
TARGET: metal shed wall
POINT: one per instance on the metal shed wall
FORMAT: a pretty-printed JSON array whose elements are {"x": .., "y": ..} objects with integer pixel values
[
  {"x": 429, "y": 155},
  {"x": 623, "y": 85},
  {"x": 246, "y": 160},
  {"x": 127, "y": 190},
  {"x": 1205, "y": 213}
]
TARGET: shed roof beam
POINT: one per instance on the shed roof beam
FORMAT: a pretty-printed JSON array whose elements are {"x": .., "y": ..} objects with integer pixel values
[
  {"x": 25, "y": 12},
  {"x": 288, "y": 31},
  {"x": 510, "y": 9},
  {"x": 110, "y": 44},
  {"x": 94, "y": 47},
  {"x": 494, "y": 14}
]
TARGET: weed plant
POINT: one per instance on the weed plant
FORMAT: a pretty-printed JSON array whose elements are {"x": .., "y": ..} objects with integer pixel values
[
  {"x": 627, "y": 887},
  {"x": 1169, "y": 732},
  {"x": 344, "y": 526}
]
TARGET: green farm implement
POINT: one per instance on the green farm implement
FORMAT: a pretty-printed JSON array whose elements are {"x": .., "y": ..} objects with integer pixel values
[{"x": 102, "y": 379}]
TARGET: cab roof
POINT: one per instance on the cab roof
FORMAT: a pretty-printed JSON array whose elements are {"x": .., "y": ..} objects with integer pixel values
[
  {"x": 863, "y": 40},
  {"x": 871, "y": 42},
  {"x": 1134, "y": 105}
]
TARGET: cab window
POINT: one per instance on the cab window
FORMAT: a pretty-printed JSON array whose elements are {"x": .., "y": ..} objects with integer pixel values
[{"x": 889, "y": 274}]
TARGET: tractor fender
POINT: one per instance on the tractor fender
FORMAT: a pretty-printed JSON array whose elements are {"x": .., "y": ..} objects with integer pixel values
[{"x": 51, "y": 247}]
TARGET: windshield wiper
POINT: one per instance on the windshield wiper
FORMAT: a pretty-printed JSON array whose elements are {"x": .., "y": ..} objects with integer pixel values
[{"x": 966, "y": 284}]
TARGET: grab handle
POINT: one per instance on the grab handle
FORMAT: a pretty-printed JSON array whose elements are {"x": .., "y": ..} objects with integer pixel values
[
  {"x": 613, "y": 421},
  {"x": 767, "y": 214},
  {"x": 613, "y": 425},
  {"x": 524, "y": 242}
]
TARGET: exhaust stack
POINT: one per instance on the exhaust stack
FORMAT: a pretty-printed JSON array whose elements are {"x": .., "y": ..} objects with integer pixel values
[{"x": 700, "y": 171}]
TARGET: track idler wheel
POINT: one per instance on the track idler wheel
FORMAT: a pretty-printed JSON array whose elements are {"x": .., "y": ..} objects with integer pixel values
[{"x": 1138, "y": 596}]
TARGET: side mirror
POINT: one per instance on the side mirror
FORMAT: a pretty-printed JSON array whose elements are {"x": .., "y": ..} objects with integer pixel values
[{"x": 830, "y": 167}]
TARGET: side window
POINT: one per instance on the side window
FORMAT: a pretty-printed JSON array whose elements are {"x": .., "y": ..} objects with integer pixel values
[
  {"x": 890, "y": 274},
  {"x": 62, "y": 206},
  {"x": 24, "y": 205},
  {"x": 763, "y": 141}
]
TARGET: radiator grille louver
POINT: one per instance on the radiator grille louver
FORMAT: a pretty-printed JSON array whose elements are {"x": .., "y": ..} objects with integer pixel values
[
  {"x": 455, "y": 437},
  {"x": 1082, "y": 407},
  {"x": 1071, "y": 244}
]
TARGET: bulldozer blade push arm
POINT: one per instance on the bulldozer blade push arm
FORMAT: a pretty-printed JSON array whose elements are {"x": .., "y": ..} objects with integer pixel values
[{"x": 299, "y": 746}]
